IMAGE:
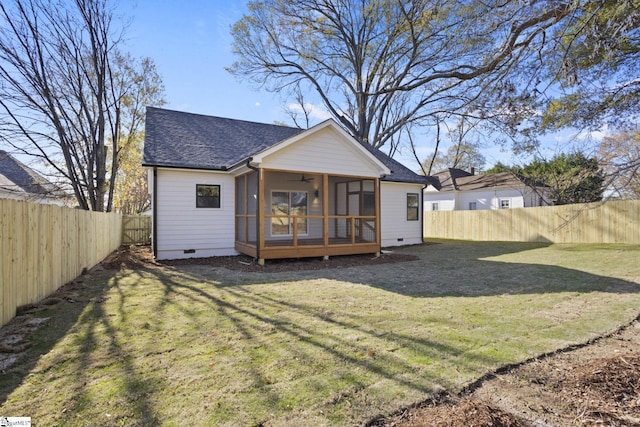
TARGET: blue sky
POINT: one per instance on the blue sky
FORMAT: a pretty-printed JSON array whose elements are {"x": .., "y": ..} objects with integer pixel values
[{"x": 190, "y": 43}]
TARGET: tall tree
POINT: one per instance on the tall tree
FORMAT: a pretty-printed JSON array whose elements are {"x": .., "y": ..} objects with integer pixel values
[
  {"x": 619, "y": 156},
  {"x": 587, "y": 74},
  {"x": 463, "y": 153},
  {"x": 380, "y": 65},
  {"x": 68, "y": 94},
  {"x": 571, "y": 178}
]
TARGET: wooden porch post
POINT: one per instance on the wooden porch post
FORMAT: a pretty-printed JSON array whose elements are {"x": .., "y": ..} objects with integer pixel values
[
  {"x": 325, "y": 210},
  {"x": 260, "y": 215},
  {"x": 378, "y": 219}
]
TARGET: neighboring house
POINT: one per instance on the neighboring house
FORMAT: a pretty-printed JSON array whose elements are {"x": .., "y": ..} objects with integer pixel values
[
  {"x": 222, "y": 186},
  {"x": 18, "y": 181},
  {"x": 456, "y": 189}
]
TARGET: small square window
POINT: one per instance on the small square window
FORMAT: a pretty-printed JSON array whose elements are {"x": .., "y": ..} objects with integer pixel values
[
  {"x": 505, "y": 204},
  {"x": 473, "y": 206},
  {"x": 413, "y": 203},
  {"x": 435, "y": 207},
  {"x": 207, "y": 196}
]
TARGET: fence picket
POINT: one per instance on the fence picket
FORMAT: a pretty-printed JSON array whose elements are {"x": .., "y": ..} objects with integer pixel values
[
  {"x": 609, "y": 222},
  {"x": 44, "y": 247}
]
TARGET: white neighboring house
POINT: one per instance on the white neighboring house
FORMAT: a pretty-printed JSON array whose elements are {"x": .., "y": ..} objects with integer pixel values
[
  {"x": 20, "y": 182},
  {"x": 222, "y": 186},
  {"x": 456, "y": 189}
]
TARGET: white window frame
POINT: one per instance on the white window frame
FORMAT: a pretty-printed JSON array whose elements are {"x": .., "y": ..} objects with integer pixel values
[
  {"x": 504, "y": 203},
  {"x": 435, "y": 206}
]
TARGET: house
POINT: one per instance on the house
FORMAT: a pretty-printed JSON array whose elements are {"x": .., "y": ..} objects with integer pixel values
[
  {"x": 18, "y": 181},
  {"x": 222, "y": 186},
  {"x": 456, "y": 189}
]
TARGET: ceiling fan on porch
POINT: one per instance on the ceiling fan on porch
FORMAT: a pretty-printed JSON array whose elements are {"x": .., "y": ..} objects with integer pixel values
[{"x": 303, "y": 178}]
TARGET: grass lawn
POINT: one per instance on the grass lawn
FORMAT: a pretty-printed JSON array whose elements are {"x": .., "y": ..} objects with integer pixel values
[{"x": 197, "y": 345}]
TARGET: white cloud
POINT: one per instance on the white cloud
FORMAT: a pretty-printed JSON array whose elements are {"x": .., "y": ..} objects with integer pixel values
[
  {"x": 594, "y": 135},
  {"x": 315, "y": 112}
]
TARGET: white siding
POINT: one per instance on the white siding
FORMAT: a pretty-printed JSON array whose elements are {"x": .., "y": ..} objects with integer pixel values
[
  {"x": 446, "y": 200},
  {"x": 183, "y": 227},
  {"x": 396, "y": 229},
  {"x": 484, "y": 199},
  {"x": 325, "y": 151},
  {"x": 490, "y": 199}
]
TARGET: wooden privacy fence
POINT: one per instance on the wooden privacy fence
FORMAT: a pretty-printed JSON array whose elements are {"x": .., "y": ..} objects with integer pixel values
[
  {"x": 610, "y": 222},
  {"x": 45, "y": 246},
  {"x": 136, "y": 230}
]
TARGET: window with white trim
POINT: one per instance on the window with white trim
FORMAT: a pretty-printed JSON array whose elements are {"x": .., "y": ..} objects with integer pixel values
[
  {"x": 435, "y": 206},
  {"x": 505, "y": 203}
]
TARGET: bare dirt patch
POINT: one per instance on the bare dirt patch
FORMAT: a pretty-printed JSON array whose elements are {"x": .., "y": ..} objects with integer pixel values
[
  {"x": 248, "y": 264},
  {"x": 593, "y": 385}
]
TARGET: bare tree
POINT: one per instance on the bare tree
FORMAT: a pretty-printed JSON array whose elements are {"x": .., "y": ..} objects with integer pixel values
[
  {"x": 619, "y": 157},
  {"x": 69, "y": 96},
  {"x": 380, "y": 65}
]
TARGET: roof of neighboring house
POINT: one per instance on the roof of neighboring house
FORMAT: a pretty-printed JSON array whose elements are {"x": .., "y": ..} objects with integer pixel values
[
  {"x": 457, "y": 179},
  {"x": 19, "y": 179},
  {"x": 194, "y": 141},
  {"x": 446, "y": 180}
]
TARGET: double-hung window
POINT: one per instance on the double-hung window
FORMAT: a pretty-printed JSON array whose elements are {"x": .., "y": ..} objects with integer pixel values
[{"x": 413, "y": 203}]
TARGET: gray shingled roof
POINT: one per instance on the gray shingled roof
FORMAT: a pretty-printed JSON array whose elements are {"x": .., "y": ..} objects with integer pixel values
[
  {"x": 18, "y": 178},
  {"x": 457, "y": 179},
  {"x": 195, "y": 141}
]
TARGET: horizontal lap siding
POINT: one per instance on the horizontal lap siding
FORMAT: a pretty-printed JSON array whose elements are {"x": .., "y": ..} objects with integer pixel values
[
  {"x": 323, "y": 152},
  {"x": 446, "y": 201},
  {"x": 490, "y": 199},
  {"x": 181, "y": 226},
  {"x": 393, "y": 211}
]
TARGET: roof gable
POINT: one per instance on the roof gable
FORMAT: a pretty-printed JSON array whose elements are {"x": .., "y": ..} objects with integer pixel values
[
  {"x": 194, "y": 141},
  {"x": 18, "y": 178},
  {"x": 323, "y": 148}
]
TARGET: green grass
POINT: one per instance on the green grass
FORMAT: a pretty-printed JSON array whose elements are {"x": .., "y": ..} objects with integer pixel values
[{"x": 208, "y": 346}]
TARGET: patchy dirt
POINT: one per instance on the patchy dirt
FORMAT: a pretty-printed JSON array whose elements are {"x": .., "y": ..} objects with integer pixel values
[
  {"x": 128, "y": 258},
  {"x": 133, "y": 257},
  {"x": 596, "y": 384}
]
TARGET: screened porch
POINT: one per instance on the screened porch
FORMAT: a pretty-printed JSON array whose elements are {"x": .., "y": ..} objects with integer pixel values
[{"x": 293, "y": 215}]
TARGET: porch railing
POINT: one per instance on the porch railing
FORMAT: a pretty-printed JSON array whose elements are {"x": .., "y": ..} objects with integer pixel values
[{"x": 309, "y": 229}]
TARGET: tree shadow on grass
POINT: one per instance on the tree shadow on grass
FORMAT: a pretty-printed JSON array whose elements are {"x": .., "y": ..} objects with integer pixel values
[
  {"x": 291, "y": 332},
  {"x": 77, "y": 312}
]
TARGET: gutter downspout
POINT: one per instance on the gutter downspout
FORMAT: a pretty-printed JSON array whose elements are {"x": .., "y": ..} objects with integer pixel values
[
  {"x": 258, "y": 195},
  {"x": 154, "y": 211}
]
